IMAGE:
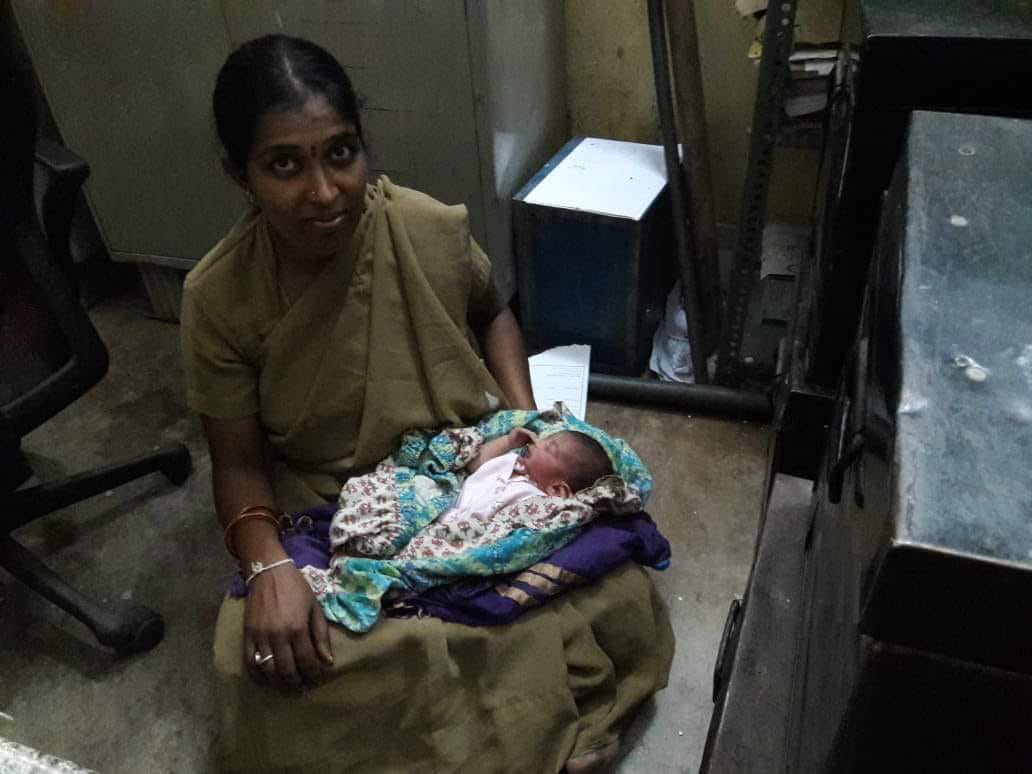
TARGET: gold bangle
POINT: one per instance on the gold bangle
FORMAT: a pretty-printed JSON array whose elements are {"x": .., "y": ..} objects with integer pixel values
[
  {"x": 259, "y": 512},
  {"x": 262, "y": 508}
]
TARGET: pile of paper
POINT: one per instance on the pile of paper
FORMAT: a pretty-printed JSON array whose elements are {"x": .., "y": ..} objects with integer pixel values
[
  {"x": 811, "y": 71},
  {"x": 561, "y": 374},
  {"x": 812, "y": 64}
]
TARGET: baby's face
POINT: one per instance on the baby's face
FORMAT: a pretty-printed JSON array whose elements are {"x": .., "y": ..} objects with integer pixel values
[{"x": 549, "y": 462}]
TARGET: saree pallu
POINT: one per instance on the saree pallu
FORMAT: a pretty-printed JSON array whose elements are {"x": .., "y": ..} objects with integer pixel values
[{"x": 376, "y": 345}]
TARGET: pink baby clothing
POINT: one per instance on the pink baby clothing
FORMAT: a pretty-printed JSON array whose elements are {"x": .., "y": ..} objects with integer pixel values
[{"x": 497, "y": 484}]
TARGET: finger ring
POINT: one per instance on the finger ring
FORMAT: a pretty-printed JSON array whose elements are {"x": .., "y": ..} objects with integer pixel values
[{"x": 259, "y": 659}]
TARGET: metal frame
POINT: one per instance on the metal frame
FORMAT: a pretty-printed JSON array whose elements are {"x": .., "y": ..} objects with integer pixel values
[
  {"x": 778, "y": 39},
  {"x": 675, "y": 182}
]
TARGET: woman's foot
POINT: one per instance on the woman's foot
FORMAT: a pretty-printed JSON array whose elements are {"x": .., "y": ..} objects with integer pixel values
[{"x": 594, "y": 762}]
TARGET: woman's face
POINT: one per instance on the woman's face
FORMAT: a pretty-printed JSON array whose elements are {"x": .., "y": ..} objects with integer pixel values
[{"x": 307, "y": 172}]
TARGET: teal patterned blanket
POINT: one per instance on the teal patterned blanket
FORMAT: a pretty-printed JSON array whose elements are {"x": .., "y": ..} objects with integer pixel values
[{"x": 398, "y": 505}]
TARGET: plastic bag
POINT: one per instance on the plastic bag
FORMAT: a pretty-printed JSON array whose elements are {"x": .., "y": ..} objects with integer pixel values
[{"x": 671, "y": 351}]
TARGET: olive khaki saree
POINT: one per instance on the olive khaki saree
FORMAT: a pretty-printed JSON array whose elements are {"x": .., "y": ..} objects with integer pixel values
[{"x": 378, "y": 345}]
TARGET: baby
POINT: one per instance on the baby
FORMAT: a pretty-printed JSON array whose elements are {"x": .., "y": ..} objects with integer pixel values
[
  {"x": 519, "y": 465},
  {"x": 417, "y": 522},
  {"x": 506, "y": 470}
]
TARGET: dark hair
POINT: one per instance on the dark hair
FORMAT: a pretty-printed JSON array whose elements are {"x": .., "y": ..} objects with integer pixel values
[
  {"x": 272, "y": 73},
  {"x": 591, "y": 463}
]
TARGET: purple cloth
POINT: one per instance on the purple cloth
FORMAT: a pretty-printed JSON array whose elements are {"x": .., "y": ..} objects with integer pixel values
[
  {"x": 601, "y": 547},
  {"x": 308, "y": 544}
]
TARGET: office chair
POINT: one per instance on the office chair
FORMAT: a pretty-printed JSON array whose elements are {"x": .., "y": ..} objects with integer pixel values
[{"x": 50, "y": 354}]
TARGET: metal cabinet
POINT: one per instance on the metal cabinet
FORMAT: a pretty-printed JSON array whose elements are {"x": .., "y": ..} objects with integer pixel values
[
  {"x": 901, "y": 599},
  {"x": 129, "y": 85},
  {"x": 464, "y": 100},
  {"x": 898, "y": 56},
  {"x": 914, "y": 650}
]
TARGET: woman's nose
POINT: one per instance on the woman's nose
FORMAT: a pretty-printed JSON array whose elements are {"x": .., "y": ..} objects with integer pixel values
[{"x": 323, "y": 189}]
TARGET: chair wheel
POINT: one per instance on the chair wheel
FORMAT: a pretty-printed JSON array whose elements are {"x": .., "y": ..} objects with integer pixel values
[
  {"x": 177, "y": 468},
  {"x": 139, "y": 630}
]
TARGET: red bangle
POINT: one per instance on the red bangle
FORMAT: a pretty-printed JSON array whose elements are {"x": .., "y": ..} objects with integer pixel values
[{"x": 255, "y": 512}]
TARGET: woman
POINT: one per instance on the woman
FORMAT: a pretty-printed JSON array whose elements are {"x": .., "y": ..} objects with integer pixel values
[{"x": 330, "y": 319}]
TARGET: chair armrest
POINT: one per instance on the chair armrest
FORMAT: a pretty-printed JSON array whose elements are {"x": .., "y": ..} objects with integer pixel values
[
  {"x": 60, "y": 174},
  {"x": 14, "y": 468},
  {"x": 59, "y": 162}
]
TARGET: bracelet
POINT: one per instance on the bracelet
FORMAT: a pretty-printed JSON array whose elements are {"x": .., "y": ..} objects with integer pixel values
[
  {"x": 257, "y": 568},
  {"x": 251, "y": 512},
  {"x": 258, "y": 508}
]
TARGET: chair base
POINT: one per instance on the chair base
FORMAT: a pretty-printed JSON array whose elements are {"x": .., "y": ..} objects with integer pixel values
[{"x": 131, "y": 630}]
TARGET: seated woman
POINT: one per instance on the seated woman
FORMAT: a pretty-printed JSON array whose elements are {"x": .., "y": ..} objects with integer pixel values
[{"x": 329, "y": 320}]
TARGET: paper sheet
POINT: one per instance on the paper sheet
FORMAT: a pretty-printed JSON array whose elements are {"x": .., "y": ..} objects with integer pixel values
[
  {"x": 561, "y": 373},
  {"x": 749, "y": 7},
  {"x": 607, "y": 177},
  {"x": 803, "y": 54}
]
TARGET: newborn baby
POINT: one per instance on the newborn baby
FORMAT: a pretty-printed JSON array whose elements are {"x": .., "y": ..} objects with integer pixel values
[
  {"x": 505, "y": 471},
  {"x": 518, "y": 465},
  {"x": 448, "y": 506}
]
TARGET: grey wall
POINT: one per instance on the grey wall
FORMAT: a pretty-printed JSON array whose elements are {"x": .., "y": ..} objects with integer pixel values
[
  {"x": 464, "y": 99},
  {"x": 520, "y": 98},
  {"x": 129, "y": 89}
]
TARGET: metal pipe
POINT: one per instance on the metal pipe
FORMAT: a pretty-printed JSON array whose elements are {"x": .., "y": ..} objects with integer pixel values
[
  {"x": 707, "y": 398},
  {"x": 691, "y": 121},
  {"x": 664, "y": 103}
]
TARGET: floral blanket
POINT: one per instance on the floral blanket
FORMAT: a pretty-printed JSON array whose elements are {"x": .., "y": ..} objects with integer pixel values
[{"x": 389, "y": 517}]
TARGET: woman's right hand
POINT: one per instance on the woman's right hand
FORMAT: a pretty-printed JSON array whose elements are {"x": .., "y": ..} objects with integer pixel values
[
  {"x": 281, "y": 614},
  {"x": 283, "y": 617}
]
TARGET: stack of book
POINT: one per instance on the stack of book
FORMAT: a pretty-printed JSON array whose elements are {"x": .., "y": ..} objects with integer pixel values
[
  {"x": 811, "y": 72},
  {"x": 811, "y": 67}
]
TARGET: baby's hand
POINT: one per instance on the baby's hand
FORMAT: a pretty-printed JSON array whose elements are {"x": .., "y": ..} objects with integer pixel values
[{"x": 521, "y": 436}]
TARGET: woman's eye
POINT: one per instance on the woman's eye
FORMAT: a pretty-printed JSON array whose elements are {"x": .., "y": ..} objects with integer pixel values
[
  {"x": 340, "y": 153},
  {"x": 284, "y": 165}
]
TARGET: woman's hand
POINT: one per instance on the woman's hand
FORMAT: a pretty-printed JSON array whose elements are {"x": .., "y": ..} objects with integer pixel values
[
  {"x": 506, "y": 355},
  {"x": 282, "y": 617}
]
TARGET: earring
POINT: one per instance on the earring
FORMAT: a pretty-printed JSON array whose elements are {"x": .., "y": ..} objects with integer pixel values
[{"x": 250, "y": 198}]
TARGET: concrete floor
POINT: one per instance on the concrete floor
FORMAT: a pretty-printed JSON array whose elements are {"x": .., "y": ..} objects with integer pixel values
[{"x": 151, "y": 543}]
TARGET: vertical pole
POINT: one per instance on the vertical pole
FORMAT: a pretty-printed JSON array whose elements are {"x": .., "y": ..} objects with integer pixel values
[
  {"x": 664, "y": 101},
  {"x": 691, "y": 121},
  {"x": 752, "y": 215}
]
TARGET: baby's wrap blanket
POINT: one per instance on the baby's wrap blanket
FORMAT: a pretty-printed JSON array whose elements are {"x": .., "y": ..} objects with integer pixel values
[{"x": 389, "y": 516}]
